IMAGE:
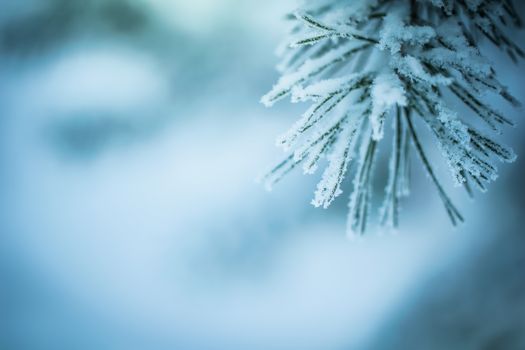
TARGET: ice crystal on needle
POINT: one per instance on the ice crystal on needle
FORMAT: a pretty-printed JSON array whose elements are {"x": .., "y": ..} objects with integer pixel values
[{"x": 365, "y": 63}]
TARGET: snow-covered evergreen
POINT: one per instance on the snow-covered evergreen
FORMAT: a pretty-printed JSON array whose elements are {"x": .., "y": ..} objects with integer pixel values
[{"x": 366, "y": 63}]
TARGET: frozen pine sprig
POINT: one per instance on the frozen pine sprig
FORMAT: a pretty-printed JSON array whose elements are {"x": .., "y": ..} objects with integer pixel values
[{"x": 365, "y": 65}]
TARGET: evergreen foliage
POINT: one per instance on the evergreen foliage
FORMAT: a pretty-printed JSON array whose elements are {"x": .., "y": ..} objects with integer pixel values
[{"x": 364, "y": 63}]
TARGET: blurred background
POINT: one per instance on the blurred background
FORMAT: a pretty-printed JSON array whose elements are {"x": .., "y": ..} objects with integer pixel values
[{"x": 131, "y": 135}]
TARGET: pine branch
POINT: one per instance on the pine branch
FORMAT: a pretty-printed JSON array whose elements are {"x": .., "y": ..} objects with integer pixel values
[{"x": 365, "y": 62}]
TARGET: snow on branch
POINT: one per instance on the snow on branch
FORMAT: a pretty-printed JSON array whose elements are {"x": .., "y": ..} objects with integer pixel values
[{"x": 362, "y": 63}]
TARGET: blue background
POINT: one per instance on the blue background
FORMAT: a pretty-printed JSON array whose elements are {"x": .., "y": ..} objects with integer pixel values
[{"x": 130, "y": 138}]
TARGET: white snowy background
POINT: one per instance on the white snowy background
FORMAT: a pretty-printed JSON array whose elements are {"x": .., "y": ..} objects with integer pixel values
[{"x": 130, "y": 138}]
